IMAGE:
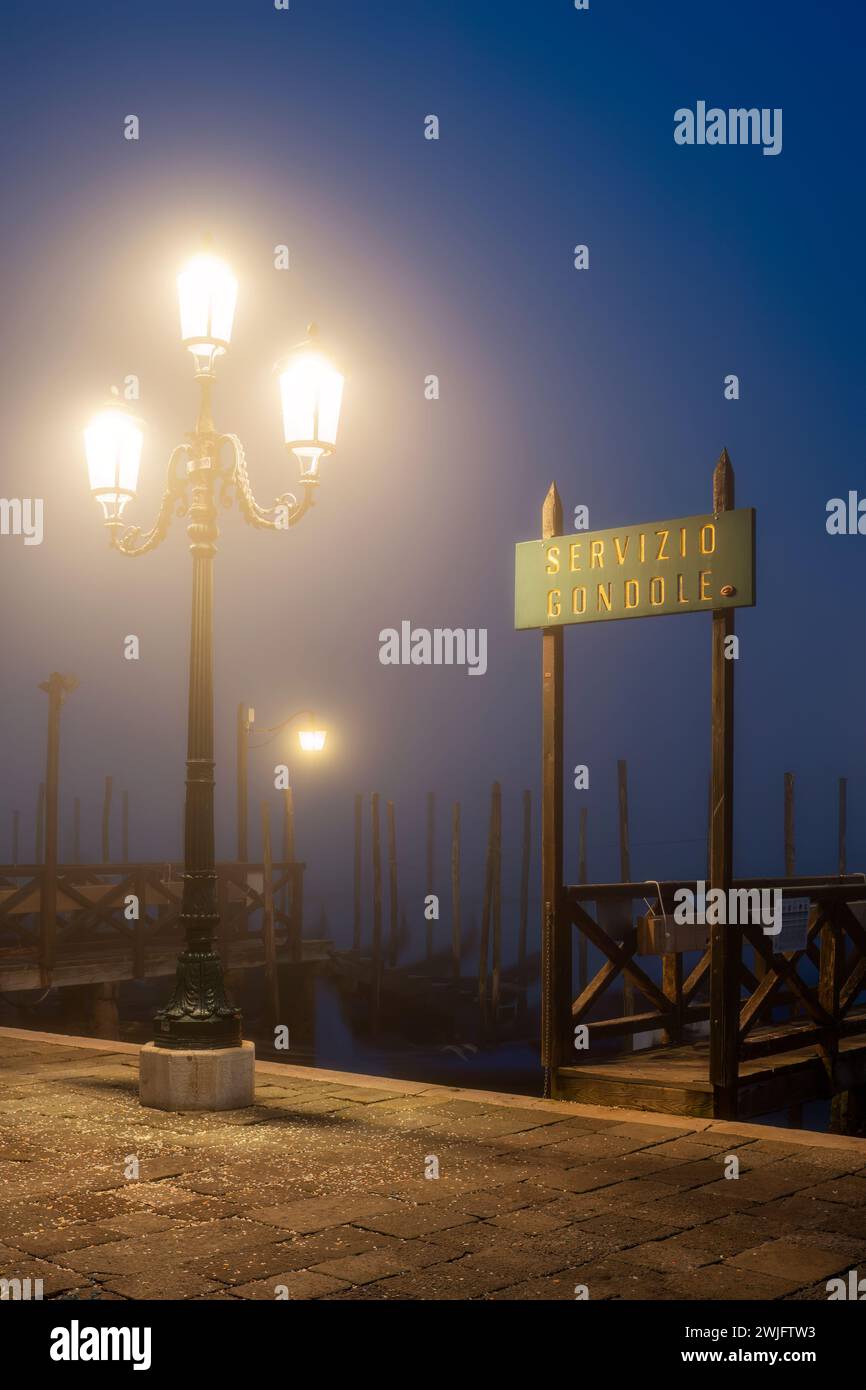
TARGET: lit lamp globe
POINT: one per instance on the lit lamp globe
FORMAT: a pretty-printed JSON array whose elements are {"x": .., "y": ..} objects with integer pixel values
[
  {"x": 312, "y": 740},
  {"x": 207, "y": 293},
  {"x": 112, "y": 442},
  {"x": 311, "y": 389}
]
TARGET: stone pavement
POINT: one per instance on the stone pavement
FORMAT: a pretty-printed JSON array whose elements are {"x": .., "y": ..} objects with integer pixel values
[{"x": 319, "y": 1192}]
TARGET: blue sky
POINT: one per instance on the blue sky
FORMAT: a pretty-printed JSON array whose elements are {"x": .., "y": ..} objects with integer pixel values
[{"x": 451, "y": 257}]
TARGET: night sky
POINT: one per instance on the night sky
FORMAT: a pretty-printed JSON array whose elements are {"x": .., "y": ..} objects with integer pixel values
[{"x": 452, "y": 257}]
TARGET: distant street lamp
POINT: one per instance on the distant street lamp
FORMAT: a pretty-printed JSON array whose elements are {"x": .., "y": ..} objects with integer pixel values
[
  {"x": 311, "y": 737},
  {"x": 199, "y": 1014}
]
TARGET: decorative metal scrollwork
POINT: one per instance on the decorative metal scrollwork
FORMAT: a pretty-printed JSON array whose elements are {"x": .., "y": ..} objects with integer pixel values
[
  {"x": 130, "y": 540},
  {"x": 285, "y": 511}
]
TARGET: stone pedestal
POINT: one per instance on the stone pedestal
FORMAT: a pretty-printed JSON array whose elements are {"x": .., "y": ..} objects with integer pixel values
[{"x": 211, "y": 1078}]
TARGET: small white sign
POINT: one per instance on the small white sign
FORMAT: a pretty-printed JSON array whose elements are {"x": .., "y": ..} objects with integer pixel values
[{"x": 795, "y": 921}]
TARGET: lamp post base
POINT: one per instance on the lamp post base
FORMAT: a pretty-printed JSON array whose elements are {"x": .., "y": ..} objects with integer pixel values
[
  {"x": 199, "y": 1014},
  {"x": 216, "y": 1078}
]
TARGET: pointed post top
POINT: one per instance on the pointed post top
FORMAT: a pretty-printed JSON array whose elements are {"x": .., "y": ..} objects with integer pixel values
[
  {"x": 551, "y": 513},
  {"x": 723, "y": 483}
]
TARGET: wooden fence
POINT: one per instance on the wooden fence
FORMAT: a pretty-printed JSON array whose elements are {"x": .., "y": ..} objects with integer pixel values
[
  {"x": 97, "y": 922},
  {"x": 769, "y": 1062}
]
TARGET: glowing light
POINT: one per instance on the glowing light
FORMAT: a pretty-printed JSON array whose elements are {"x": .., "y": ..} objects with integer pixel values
[
  {"x": 207, "y": 293},
  {"x": 112, "y": 443},
  {"x": 312, "y": 393},
  {"x": 312, "y": 740}
]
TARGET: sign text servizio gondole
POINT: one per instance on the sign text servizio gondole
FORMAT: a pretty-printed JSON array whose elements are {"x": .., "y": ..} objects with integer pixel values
[{"x": 689, "y": 565}]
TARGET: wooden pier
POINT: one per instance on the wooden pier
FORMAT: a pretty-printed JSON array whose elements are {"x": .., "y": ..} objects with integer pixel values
[
  {"x": 102, "y": 923},
  {"x": 817, "y": 1049}
]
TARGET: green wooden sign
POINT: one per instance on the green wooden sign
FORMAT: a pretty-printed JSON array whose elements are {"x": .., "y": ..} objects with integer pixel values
[{"x": 689, "y": 565}]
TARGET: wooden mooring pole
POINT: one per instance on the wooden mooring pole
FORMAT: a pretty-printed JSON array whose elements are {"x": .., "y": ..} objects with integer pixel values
[
  {"x": 455, "y": 890},
  {"x": 106, "y": 821},
  {"x": 393, "y": 924},
  {"x": 484, "y": 943},
  {"x": 288, "y": 825},
  {"x": 725, "y": 947},
  {"x": 288, "y": 839},
  {"x": 56, "y": 687},
  {"x": 40, "y": 824},
  {"x": 377, "y": 912},
  {"x": 272, "y": 984},
  {"x": 624, "y": 865},
  {"x": 583, "y": 944},
  {"x": 525, "y": 861},
  {"x": 555, "y": 927},
  {"x": 242, "y": 729},
  {"x": 431, "y": 865},
  {"x": 496, "y": 902},
  {"x": 356, "y": 919}
]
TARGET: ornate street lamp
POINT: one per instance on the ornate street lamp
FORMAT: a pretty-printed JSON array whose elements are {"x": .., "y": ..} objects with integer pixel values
[{"x": 199, "y": 1013}]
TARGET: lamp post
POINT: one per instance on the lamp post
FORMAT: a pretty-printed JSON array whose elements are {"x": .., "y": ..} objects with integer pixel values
[
  {"x": 311, "y": 738},
  {"x": 199, "y": 1014}
]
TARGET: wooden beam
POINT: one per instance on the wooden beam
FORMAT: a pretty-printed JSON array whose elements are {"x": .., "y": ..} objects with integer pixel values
[
  {"x": 393, "y": 925},
  {"x": 106, "y": 821},
  {"x": 484, "y": 941},
  {"x": 621, "y": 955},
  {"x": 525, "y": 858},
  {"x": 556, "y": 930},
  {"x": 56, "y": 687},
  {"x": 725, "y": 945},
  {"x": 242, "y": 729},
  {"x": 288, "y": 839},
  {"x": 40, "y": 824},
  {"x": 786, "y": 968},
  {"x": 124, "y": 828},
  {"x": 455, "y": 890},
  {"x": 496, "y": 901},
  {"x": 272, "y": 984},
  {"x": 582, "y": 943},
  {"x": 431, "y": 866},
  {"x": 695, "y": 976},
  {"x": 672, "y": 985},
  {"x": 288, "y": 825},
  {"x": 356, "y": 917},
  {"x": 624, "y": 863},
  {"x": 377, "y": 912}
]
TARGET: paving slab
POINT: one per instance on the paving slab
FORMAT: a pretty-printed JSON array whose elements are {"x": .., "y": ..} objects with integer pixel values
[{"x": 321, "y": 1191}]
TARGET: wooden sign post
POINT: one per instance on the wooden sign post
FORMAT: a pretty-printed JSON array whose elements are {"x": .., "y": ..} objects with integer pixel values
[
  {"x": 725, "y": 948},
  {"x": 686, "y": 565},
  {"x": 556, "y": 930}
]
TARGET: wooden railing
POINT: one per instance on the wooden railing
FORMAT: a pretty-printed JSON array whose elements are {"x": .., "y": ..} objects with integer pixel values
[
  {"x": 835, "y": 948},
  {"x": 92, "y": 904}
]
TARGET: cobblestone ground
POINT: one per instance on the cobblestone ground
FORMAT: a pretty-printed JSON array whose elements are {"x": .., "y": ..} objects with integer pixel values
[{"x": 319, "y": 1192}]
